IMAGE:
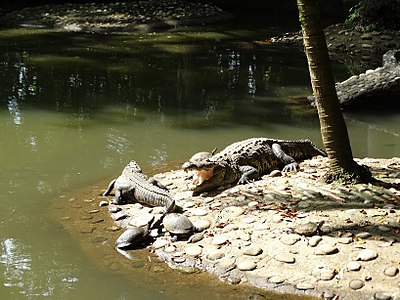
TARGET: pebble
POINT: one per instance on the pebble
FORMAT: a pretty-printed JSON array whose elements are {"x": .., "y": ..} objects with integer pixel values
[
  {"x": 353, "y": 266},
  {"x": 367, "y": 254},
  {"x": 252, "y": 250},
  {"x": 314, "y": 240},
  {"x": 120, "y": 215},
  {"x": 232, "y": 211},
  {"x": 246, "y": 265},
  {"x": 356, "y": 284},
  {"x": 328, "y": 295},
  {"x": 193, "y": 250},
  {"x": 345, "y": 240},
  {"x": 159, "y": 243},
  {"x": 103, "y": 203},
  {"x": 214, "y": 254},
  {"x": 391, "y": 271},
  {"x": 179, "y": 260},
  {"x": 170, "y": 249},
  {"x": 248, "y": 220},
  {"x": 326, "y": 249},
  {"x": 285, "y": 258},
  {"x": 219, "y": 240},
  {"x": 113, "y": 209},
  {"x": 290, "y": 239},
  {"x": 227, "y": 264},
  {"x": 199, "y": 212},
  {"x": 276, "y": 279},
  {"x": 275, "y": 173},
  {"x": 382, "y": 296},
  {"x": 305, "y": 286},
  {"x": 233, "y": 280}
]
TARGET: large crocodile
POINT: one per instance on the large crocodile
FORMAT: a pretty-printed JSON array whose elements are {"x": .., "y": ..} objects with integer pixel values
[
  {"x": 133, "y": 185},
  {"x": 247, "y": 160}
]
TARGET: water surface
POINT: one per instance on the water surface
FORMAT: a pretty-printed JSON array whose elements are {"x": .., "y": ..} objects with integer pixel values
[{"x": 74, "y": 109}]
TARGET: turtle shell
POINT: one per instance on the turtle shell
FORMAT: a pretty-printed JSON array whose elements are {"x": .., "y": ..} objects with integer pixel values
[
  {"x": 131, "y": 237},
  {"x": 178, "y": 224}
]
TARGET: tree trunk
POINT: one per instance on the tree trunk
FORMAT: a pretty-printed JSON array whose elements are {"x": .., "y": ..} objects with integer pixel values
[{"x": 333, "y": 128}]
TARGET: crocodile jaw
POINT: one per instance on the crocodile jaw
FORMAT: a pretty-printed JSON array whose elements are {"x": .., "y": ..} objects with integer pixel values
[{"x": 206, "y": 177}]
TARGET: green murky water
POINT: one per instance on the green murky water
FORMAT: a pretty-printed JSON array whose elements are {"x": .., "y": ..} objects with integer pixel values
[{"x": 74, "y": 109}]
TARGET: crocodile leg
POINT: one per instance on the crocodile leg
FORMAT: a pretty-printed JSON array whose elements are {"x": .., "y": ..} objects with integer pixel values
[
  {"x": 290, "y": 163},
  {"x": 109, "y": 188},
  {"x": 122, "y": 193},
  {"x": 157, "y": 183},
  {"x": 249, "y": 174}
]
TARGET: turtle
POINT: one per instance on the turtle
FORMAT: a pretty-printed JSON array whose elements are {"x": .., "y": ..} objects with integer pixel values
[
  {"x": 134, "y": 236},
  {"x": 180, "y": 226}
]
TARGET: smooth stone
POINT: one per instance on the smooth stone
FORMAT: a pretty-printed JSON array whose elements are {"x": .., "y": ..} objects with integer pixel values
[
  {"x": 114, "y": 209},
  {"x": 170, "y": 249},
  {"x": 248, "y": 220},
  {"x": 367, "y": 254},
  {"x": 160, "y": 243},
  {"x": 201, "y": 224},
  {"x": 215, "y": 254},
  {"x": 227, "y": 264},
  {"x": 285, "y": 258},
  {"x": 103, "y": 203},
  {"x": 356, "y": 284},
  {"x": 86, "y": 218},
  {"x": 326, "y": 249},
  {"x": 391, "y": 271},
  {"x": 384, "y": 228},
  {"x": 246, "y": 265},
  {"x": 290, "y": 239},
  {"x": 305, "y": 286},
  {"x": 353, "y": 266},
  {"x": 179, "y": 260},
  {"x": 188, "y": 204},
  {"x": 219, "y": 240},
  {"x": 233, "y": 280},
  {"x": 193, "y": 250},
  {"x": 112, "y": 228},
  {"x": 276, "y": 279},
  {"x": 363, "y": 235},
  {"x": 233, "y": 211},
  {"x": 345, "y": 240},
  {"x": 314, "y": 240},
  {"x": 229, "y": 227},
  {"x": 327, "y": 274},
  {"x": 87, "y": 230},
  {"x": 119, "y": 216},
  {"x": 199, "y": 212},
  {"x": 382, "y": 296},
  {"x": 252, "y": 204},
  {"x": 252, "y": 250},
  {"x": 328, "y": 295},
  {"x": 93, "y": 211}
]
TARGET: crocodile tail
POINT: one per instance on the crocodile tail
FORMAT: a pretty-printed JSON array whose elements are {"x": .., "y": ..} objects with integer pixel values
[{"x": 110, "y": 187}]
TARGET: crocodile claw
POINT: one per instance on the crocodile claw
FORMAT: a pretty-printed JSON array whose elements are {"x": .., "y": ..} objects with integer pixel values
[{"x": 292, "y": 167}]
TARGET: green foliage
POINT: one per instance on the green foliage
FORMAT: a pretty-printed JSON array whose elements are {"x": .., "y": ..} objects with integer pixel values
[{"x": 369, "y": 15}]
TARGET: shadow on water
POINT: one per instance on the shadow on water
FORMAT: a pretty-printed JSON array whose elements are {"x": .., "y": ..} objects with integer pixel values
[{"x": 75, "y": 108}]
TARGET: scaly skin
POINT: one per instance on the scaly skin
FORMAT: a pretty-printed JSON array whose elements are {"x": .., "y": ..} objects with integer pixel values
[
  {"x": 247, "y": 160},
  {"x": 134, "y": 186}
]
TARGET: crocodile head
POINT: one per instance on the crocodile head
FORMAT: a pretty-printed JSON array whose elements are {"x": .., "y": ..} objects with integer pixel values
[{"x": 209, "y": 175}]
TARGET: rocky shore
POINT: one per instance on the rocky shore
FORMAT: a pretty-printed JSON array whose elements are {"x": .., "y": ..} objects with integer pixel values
[
  {"x": 287, "y": 232},
  {"x": 136, "y": 16},
  {"x": 362, "y": 50}
]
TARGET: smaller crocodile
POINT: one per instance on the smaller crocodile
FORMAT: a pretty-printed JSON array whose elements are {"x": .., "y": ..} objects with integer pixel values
[
  {"x": 133, "y": 185},
  {"x": 247, "y": 160}
]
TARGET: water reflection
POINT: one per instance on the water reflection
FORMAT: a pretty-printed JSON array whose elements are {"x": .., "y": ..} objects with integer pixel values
[{"x": 23, "y": 273}]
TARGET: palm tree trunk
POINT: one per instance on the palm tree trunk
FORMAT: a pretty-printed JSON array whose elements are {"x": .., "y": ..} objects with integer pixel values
[{"x": 333, "y": 128}]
